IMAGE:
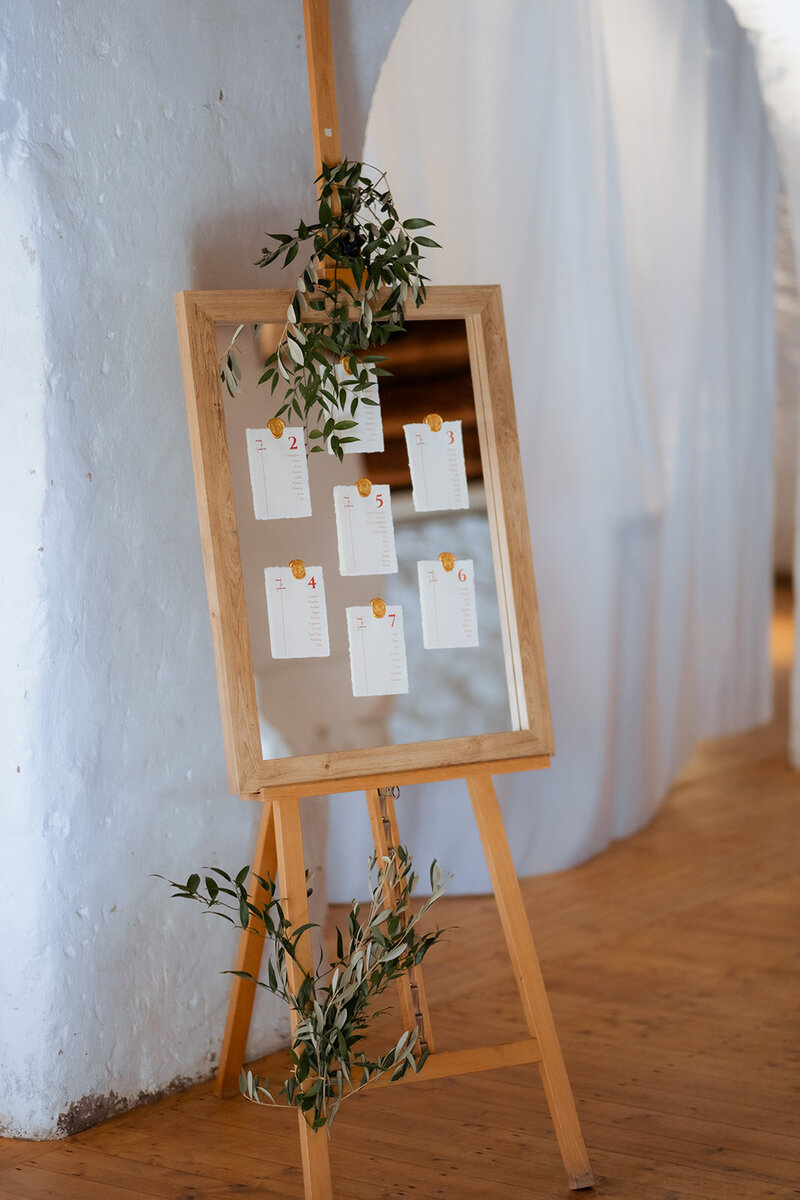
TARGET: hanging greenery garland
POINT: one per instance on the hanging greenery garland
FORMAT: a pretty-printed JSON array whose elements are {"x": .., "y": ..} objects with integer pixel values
[
  {"x": 363, "y": 266},
  {"x": 333, "y": 1005}
]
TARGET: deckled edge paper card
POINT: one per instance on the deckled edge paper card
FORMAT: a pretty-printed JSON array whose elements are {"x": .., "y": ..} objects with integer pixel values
[
  {"x": 365, "y": 531},
  {"x": 377, "y": 651},
  {"x": 298, "y": 616},
  {"x": 438, "y": 473},
  {"x": 368, "y": 428},
  {"x": 279, "y": 473},
  {"x": 447, "y": 599}
]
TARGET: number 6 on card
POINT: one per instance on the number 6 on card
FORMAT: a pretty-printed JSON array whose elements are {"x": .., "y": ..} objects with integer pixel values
[{"x": 447, "y": 599}]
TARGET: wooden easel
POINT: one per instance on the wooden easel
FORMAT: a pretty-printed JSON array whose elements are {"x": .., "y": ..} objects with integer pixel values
[{"x": 279, "y": 848}]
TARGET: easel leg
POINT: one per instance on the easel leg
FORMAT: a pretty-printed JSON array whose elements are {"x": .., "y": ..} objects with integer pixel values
[
  {"x": 529, "y": 980},
  {"x": 291, "y": 872},
  {"x": 413, "y": 999},
  {"x": 251, "y": 949}
]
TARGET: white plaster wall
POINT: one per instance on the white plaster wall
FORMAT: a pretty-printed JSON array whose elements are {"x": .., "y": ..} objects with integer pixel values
[{"x": 145, "y": 148}]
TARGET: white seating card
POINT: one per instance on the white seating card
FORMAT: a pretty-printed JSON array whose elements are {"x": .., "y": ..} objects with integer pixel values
[
  {"x": 365, "y": 531},
  {"x": 438, "y": 473},
  {"x": 279, "y": 473},
  {"x": 377, "y": 651},
  {"x": 298, "y": 617},
  {"x": 447, "y": 598},
  {"x": 369, "y": 423}
]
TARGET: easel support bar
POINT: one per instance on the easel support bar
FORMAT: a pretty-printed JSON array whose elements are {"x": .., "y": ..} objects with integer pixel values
[
  {"x": 321, "y": 84},
  {"x": 447, "y": 1063},
  {"x": 403, "y": 778},
  {"x": 528, "y": 975},
  {"x": 251, "y": 950}
]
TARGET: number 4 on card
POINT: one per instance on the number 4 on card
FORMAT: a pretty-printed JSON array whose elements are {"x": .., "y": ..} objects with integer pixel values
[{"x": 298, "y": 617}]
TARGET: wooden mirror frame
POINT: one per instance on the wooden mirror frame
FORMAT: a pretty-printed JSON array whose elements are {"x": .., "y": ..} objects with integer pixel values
[{"x": 530, "y": 743}]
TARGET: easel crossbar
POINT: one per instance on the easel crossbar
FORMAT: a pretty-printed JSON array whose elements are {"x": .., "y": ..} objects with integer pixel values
[{"x": 447, "y": 1063}]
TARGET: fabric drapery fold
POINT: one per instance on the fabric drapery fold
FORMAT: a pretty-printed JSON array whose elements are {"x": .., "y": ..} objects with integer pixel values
[{"x": 608, "y": 162}]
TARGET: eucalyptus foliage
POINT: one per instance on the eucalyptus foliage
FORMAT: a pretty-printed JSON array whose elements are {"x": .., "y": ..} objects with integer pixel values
[
  {"x": 333, "y": 1005},
  {"x": 363, "y": 264}
]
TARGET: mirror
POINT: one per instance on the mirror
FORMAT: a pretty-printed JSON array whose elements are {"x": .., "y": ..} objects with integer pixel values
[
  {"x": 295, "y": 723},
  {"x": 306, "y": 705}
]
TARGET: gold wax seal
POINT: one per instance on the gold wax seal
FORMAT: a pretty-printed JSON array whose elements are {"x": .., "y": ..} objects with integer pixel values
[
  {"x": 434, "y": 422},
  {"x": 447, "y": 560},
  {"x": 276, "y": 427},
  {"x": 378, "y": 607},
  {"x": 363, "y": 486},
  {"x": 298, "y": 568}
]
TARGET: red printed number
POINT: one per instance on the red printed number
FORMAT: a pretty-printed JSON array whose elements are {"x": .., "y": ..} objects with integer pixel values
[
  {"x": 452, "y": 437},
  {"x": 312, "y": 583},
  {"x": 462, "y": 575},
  {"x": 293, "y": 442},
  {"x": 379, "y": 499},
  {"x": 391, "y": 617}
]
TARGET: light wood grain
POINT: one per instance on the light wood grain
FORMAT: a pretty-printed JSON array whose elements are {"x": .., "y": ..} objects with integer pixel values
[
  {"x": 451, "y": 1063},
  {"x": 220, "y": 543},
  {"x": 401, "y": 777},
  {"x": 292, "y": 875},
  {"x": 528, "y": 976},
  {"x": 251, "y": 950},
  {"x": 508, "y": 518},
  {"x": 672, "y": 968},
  {"x": 321, "y": 84}
]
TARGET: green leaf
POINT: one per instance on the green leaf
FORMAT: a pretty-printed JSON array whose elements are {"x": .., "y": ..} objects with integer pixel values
[
  {"x": 426, "y": 241},
  {"x": 416, "y": 223}
]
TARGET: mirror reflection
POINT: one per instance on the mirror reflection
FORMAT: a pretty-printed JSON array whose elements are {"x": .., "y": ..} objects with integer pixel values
[{"x": 306, "y": 704}]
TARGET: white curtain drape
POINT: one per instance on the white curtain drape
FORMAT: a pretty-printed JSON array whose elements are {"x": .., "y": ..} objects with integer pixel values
[
  {"x": 774, "y": 29},
  {"x": 608, "y": 162}
]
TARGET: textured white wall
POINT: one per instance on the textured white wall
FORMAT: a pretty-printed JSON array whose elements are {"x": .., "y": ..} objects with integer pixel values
[{"x": 147, "y": 147}]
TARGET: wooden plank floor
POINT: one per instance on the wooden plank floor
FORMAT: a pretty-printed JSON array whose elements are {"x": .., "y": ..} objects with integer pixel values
[{"x": 673, "y": 972}]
